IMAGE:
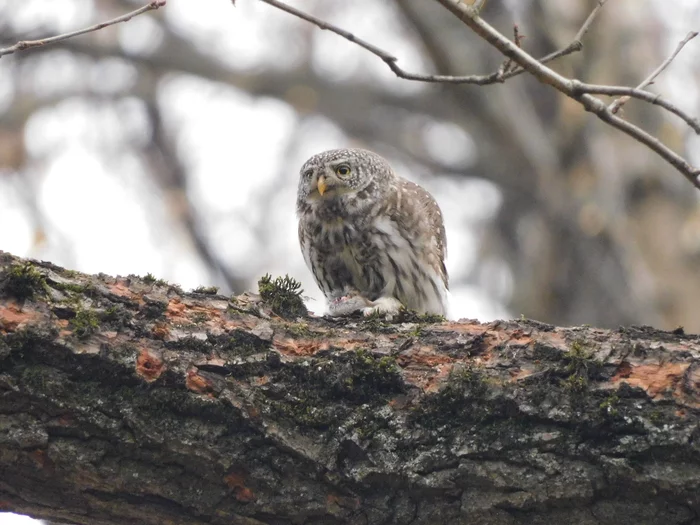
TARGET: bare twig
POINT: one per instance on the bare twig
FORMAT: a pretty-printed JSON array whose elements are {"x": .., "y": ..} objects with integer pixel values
[
  {"x": 479, "y": 4},
  {"x": 568, "y": 87},
  {"x": 574, "y": 46},
  {"x": 577, "y": 43},
  {"x": 508, "y": 65},
  {"x": 647, "y": 96},
  {"x": 575, "y": 89},
  {"x": 390, "y": 60},
  {"x": 27, "y": 44},
  {"x": 617, "y": 104}
]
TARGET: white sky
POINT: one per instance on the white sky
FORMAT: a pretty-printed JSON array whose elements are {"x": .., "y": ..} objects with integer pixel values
[{"x": 8, "y": 518}]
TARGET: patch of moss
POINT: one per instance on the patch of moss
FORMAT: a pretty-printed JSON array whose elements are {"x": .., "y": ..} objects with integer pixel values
[
  {"x": 306, "y": 413},
  {"x": 283, "y": 295},
  {"x": 368, "y": 422},
  {"x": 88, "y": 289},
  {"x": 206, "y": 290},
  {"x": 542, "y": 352},
  {"x": 23, "y": 281},
  {"x": 237, "y": 343},
  {"x": 300, "y": 330},
  {"x": 153, "y": 309},
  {"x": 575, "y": 384},
  {"x": 375, "y": 322},
  {"x": 356, "y": 378},
  {"x": 411, "y": 316},
  {"x": 190, "y": 343},
  {"x": 149, "y": 278},
  {"x": 200, "y": 317},
  {"x": 416, "y": 332},
  {"x": 174, "y": 288},
  {"x": 116, "y": 316},
  {"x": 656, "y": 417},
  {"x": 608, "y": 406},
  {"x": 580, "y": 359},
  {"x": 85, "y": 323},
  {"x": 580, "y": 368},
  {"x": 68, "y": 287},
  {"x": 462, "y": 398},
  {"x": 370, "y": 374},
  {"x": 23, "y": 342}
]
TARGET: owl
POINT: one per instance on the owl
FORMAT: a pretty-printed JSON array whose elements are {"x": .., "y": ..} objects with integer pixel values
[{"x": 373, "y": 241}]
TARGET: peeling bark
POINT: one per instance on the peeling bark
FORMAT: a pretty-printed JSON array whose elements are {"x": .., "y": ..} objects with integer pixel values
[{"x": 126, "y": 400}]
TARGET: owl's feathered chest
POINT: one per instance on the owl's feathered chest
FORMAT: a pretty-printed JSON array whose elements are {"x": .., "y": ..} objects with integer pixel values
[
  {"x": 340, "y": 237},
  {"x": 341, "y": 248}
]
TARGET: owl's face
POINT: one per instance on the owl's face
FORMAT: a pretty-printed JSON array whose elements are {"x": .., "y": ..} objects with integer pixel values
[{"x": 340, "y": 175}]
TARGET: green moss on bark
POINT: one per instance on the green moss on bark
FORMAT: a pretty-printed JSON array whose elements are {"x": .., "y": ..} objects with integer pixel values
[
  {"x": 283, "y": 295},
  {"x": 22, "y": 281}
]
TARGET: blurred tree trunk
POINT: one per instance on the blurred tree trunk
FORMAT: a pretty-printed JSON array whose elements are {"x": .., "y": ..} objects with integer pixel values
[{"x": 125, "y": 400}]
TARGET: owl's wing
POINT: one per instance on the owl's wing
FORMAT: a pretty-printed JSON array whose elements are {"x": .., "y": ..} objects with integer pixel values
[
  {"x": 305, "y": 247},
  {"x": 418, "y": 214}
]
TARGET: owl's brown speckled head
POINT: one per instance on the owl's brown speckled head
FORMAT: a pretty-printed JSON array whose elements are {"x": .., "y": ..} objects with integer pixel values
[{"x": 339, "y": 175}]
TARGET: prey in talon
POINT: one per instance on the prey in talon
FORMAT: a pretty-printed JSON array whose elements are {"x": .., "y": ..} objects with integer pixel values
[{"x": 374, "y": 241}]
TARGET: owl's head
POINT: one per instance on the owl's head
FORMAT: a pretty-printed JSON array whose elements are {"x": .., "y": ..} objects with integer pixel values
[{"x": 342, "y": 175}]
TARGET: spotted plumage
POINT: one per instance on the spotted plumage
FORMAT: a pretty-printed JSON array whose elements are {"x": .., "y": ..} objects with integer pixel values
[{"x": 372, "y": 240}]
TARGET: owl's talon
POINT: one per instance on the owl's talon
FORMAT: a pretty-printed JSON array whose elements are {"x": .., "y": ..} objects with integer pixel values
[
  {"x": 388, "y": 306},
  {"x": 346, "y": 305}
]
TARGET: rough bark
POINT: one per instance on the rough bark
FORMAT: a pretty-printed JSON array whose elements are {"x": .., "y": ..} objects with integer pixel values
[{"x": 125, "y": 400}]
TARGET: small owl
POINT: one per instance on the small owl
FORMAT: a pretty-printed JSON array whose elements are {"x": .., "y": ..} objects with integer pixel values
[{"x": 374, "y": 241}]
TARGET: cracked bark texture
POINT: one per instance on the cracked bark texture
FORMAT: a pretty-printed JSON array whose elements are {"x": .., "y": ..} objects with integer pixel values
[{"x": 125, "y": 400}]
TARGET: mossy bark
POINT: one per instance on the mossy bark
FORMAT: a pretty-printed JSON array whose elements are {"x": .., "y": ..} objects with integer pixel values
[{"x": 124, "y": 400}]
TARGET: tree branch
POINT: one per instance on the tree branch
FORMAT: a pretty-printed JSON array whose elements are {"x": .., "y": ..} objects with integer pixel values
[
  {"x": 27, "y": 44},
  {"x": 481, "y": 80},
  {"x": 574, "y": 46},
  {"x": 125, "y": 399},
  {"x": 617, "y": 104},
  {"x": 573, "y": 88},
  {"x": 568, "y": 87}
]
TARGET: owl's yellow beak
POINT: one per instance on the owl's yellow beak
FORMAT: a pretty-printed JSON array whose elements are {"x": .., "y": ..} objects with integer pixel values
[{"x": 321, "y": 185}]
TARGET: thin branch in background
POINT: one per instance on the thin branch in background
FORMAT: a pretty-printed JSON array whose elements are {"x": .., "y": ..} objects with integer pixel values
[
  {"x": 508, "y": 66},
  {"x": 646, "y": 96},
  {"x": 517, "y": 37},
  {"x": 27, "y": 44},
  {"x": 569, "y": 87},
  {"x": 572, "y": 88},
  {"x": 390, "y": 60},
  {"x": 479, "y": 4},
  {"x": 617, "y": 104},
  {"x": 577, "y": 43}
]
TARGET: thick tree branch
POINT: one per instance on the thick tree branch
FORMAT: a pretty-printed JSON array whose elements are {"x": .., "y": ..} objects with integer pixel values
[
  {"x": 28, "y": 44},
  {"x": 125, "y": 399}
]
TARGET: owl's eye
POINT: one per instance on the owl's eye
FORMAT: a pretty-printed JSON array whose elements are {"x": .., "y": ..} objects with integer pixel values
[
  {"x": 343, "y": 170},
  {"x": 308, "y": 174}
]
